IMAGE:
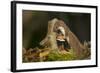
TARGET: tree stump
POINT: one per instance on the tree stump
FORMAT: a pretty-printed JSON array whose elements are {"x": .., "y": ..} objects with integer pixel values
[{"x": 50, "y": 39}]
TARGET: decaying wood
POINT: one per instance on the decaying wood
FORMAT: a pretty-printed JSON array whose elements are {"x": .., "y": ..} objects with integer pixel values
[
  {"x": 51, "y": 36},
  {"x": 72, "y": 39},
  {"x": 35, "y": 54}
]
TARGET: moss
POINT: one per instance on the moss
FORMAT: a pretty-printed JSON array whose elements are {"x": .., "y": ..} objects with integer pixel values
[{"x": 60, "y": 56}]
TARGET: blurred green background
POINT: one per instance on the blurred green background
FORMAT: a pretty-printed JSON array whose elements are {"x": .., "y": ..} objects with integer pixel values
[{"x": 35, "y": 25}]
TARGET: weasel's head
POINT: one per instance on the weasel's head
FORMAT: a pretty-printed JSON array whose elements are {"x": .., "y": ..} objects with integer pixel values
[
  {"x": 61, "y": 30},
  {"x": 56, "y": 25},
  {"x": 61, "y": 26}
]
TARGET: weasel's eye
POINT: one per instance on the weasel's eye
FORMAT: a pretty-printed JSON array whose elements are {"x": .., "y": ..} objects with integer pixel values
[{"x": 58, "y": 31}]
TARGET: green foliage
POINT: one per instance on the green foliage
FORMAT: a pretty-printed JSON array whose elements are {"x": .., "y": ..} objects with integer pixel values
[{"x": 60, "y": 57}]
